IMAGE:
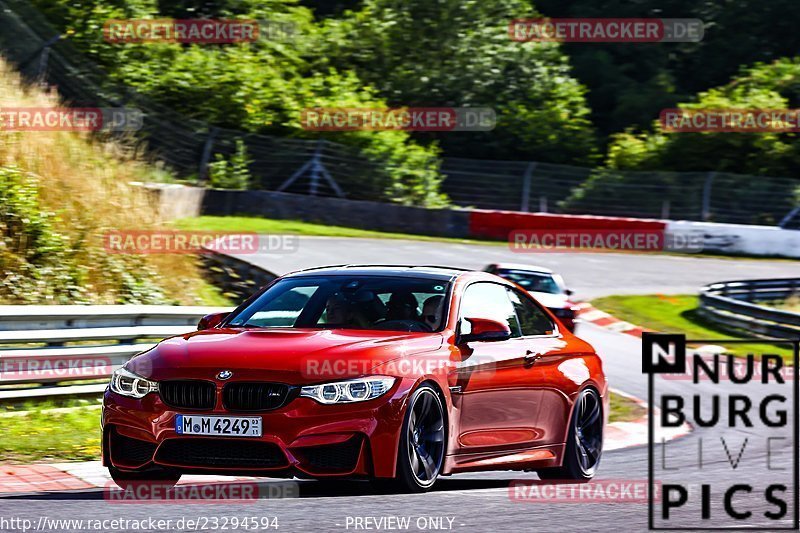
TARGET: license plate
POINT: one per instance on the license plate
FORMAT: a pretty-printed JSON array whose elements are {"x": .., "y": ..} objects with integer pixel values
[{"x": 223, "y": 426}]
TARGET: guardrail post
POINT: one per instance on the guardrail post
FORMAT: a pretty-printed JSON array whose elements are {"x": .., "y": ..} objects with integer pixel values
[
  {"x": 206, "y": 156},
  {"x": 44, "y": 54},
  {"x": 706, "y": 210},
  {"x": 526, "y": 188},
  {"x": 785, "y": 221}
]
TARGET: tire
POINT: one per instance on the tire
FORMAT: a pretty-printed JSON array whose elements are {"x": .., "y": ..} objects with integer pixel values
[
  {"x": 423, "y": 443},
  {"x": 584, "y": 447},
  {"x": 156, "y": 476}
]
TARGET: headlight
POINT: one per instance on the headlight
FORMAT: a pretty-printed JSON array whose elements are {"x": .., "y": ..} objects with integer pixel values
[
  {"x": 355, "y": 390},
  {"x": 127, "y": 383}
]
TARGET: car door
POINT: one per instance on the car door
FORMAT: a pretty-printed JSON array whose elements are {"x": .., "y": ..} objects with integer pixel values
[
  {"x": 545, "y": 366},
  {"x": 498, "y": 402}
]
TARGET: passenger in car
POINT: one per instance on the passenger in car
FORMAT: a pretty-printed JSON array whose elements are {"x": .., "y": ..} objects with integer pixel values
[
  {"x": 402, "y": 306},
  {"x": 432, "y": 311}
]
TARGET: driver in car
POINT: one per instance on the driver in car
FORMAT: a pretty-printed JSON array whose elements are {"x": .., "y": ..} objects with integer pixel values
[{"x": 339, "y": 311}]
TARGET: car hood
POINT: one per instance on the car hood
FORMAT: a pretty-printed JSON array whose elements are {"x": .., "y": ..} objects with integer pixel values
[
  {"x": 550, "y": 300},
  {"x": 286, "y": 355}
]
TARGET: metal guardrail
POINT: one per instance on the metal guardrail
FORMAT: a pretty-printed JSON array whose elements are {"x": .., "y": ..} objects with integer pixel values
[
  {"x": 51, "y": 350},
  {"x": 738, "y": 305},
  {"x": 45, "y": 350}
]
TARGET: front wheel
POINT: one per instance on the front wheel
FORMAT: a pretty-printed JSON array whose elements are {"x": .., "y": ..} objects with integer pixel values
[
  {"x": 584, "y": 442},
  {"x": 422, "y": 442}
]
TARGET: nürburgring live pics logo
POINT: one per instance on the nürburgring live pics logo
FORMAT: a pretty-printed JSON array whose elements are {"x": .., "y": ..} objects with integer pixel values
[{"x": 740, "y": 469}]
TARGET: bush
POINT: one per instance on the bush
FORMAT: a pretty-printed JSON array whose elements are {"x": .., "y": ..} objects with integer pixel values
[
  {"x": 34, "y": 257},
  {"x": 233, "y": 174},
  {"x": 772, "y": 86},
  {"x": 41, "y": 265}
]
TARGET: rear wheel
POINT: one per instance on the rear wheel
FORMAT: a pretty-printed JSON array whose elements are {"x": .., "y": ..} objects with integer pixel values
[
  {"x": 584, "y": 442},
  {"x": 422, "y": 442},
  {"x": 160, "y": 477}
]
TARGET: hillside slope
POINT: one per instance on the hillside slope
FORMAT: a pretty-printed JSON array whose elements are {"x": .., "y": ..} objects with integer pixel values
[{"x": 60, "y": 192}]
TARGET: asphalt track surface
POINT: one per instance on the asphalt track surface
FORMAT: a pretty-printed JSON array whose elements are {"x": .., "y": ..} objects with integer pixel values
[
  {"x": 482, "y": 502},
  {"x": 589, "y": 274}
]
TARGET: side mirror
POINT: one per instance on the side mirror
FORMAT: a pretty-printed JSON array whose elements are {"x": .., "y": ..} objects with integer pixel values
[
  {"x": 211, "y": 321},
  {"x": 486, "y": 330},
  {"x": 569, "y": 292}
]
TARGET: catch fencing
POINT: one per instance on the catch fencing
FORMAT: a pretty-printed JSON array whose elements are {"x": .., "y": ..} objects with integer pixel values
[{"x": 321, "y": 167}]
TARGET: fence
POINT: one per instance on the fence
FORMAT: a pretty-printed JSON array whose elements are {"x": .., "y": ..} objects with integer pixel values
[
  {"x": 321, "y": 167},
  {"x": 561, "y": 189},
  {"x": 54, "y": 350},
  {"x": 735, "y": 306},
  {"x": 46, "y": 349}
]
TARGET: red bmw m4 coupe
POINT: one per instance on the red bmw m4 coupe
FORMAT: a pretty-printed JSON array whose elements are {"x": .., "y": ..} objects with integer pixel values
[{"x": 395, "y": 374}]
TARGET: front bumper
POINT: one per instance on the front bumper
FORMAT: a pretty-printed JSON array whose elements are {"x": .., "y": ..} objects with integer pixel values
[{"x": 302, "y": 438}]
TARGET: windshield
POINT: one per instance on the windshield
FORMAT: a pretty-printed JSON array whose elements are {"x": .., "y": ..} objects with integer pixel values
[
  {"x": 364, "y": 302},
  {"x": 532, "y": 281}
]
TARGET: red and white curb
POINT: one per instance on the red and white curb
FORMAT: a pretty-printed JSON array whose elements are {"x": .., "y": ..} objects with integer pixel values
[
  {"x": 589, "y": 313},
  {"x": 635, "y": 433},
  {"x": 626, "y": 434},
  {"x": 57, "y": 477}
]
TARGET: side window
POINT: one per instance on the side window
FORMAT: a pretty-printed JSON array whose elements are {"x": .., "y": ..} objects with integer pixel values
[
  {"x": 489, "y": 300},
  {"x": 532, "y": 319}
]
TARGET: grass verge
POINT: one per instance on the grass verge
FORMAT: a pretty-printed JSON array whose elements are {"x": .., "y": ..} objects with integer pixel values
[
  {"x": 624, "y": 409},
  {"x": 677, "y": 314},
  {"x": 296, "y": 227},
  {"x": 44, "y": 433}
]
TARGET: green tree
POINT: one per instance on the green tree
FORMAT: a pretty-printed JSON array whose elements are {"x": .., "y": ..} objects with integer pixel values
[
  {"x": 737, "y": 157},
  {"x": 771, "y": 86},
  {"x": 458, "y": 53},
  {"x": 629, "y": 84}
]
